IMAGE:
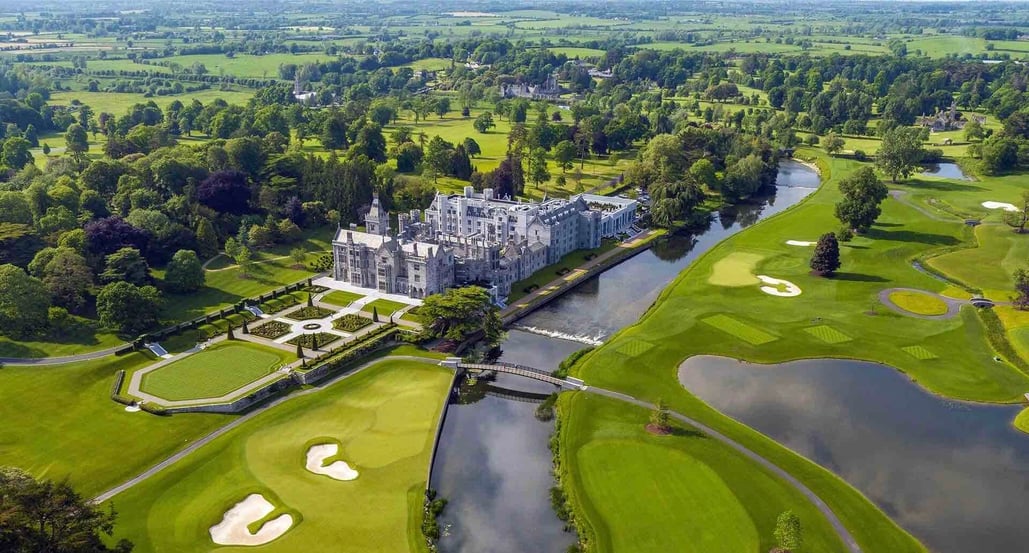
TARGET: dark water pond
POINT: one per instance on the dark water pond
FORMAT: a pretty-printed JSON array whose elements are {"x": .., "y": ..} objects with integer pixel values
[
  {"x": 946, "y": 171},
  {"x": 953, "y": 474}
]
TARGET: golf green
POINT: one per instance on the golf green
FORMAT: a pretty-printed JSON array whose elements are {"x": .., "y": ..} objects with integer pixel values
[
  {"x": 384, "y": 417},
  {"x": 213, "y": 372}
]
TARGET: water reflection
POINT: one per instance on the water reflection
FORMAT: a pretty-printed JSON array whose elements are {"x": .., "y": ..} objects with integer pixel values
[
  {"x": 955, "y": 475},
  {"x": 945, "y": 171}
]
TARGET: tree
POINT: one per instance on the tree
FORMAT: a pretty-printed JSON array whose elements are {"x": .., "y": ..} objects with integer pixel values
[
  {"x": 442, "y": 106},
  {"x": 1021, "y": 300},
  {"x": 900, "y": 152},
  {"x": 974, "y": 131},
  {"x": 743, "y": 178},
  {"x": 999, "y": 155},
  {"x": 788, "y": 531},
  {"x": 1018, "y": 219},
  {"x": 863, "y": 193},
  {"x": 225, "y": 192},
  {"x": 52, "y": 517},
  {"x": 409, "y": 155},
  {"x": 127, "y": 307},
  {"x": 484, "y": 122},
  {"x": 833, "y": 143},
  {"x": 245, "y": 260},
  {"x": 334, "y": 132},
  {"x": 126, "y": 264},
  {"x": 207, "y": 238},
  {"x": 564, "y": 154},
  {"x": 76, "y": 140},
  {"x": 659, "y": 417},
  {"x": 826, "y": 259},
  {"x": 703, "y": 171},
  {"x": 300, "y": 351},
  {"x": 24, "y": 302},
  {"x": 437, "y": 155},
  {"x": 538, "y": 172},
  {"x": 375, "y": 314},
  {"x": 184, "y": 273},
  {"x": 460, "y": 313},
  {"x": 15, "y": 153},
  {"x": 471, "y": 146},
  {"x": 298, "y": 255}
]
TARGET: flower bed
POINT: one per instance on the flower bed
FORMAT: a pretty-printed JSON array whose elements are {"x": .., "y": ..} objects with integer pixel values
[
  {"x": 308, "y": 340},
  {"x": 309, "y": 312},
  {"x": 270, "y": 330},
  {"x": 351, "y": 323}
]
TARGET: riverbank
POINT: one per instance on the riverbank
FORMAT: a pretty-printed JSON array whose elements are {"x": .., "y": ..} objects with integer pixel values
[{"x": 837, "y": 317}]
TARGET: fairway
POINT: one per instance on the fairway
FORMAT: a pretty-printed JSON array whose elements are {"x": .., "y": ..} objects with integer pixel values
[
  {"x": 741, "y": 330},
  {"x": 828, "y": 334},
  {"x": 692, "y": 506},
  {"x": 919, "y": 304},
  {"x": 383, "y": 417},
  {"x": 736, "y": 269},
  {"x": 214, "y": 371}
]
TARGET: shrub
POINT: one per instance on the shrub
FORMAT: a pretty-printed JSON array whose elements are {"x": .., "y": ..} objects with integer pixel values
[
  {"x": 860, "y": 155},
  {"x": 124, "y": 400},
  {"x": 308, "y": 340},
  {"x": 119, "y": 379},
  {"x": 309, "y": 312},
  {"x": 270, "y": 330},
  {"x": 153, "y": 409},
  {"x": 350, "y": 323}
]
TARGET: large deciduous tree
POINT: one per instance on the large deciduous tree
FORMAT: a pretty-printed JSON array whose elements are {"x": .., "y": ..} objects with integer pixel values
[
  {"x": 128, "y": 307},
  {"x": 24, "y": 302},
  {"x": 185, "y": 273},
  {"x": 900, "y": 152},
  {"x": 110, "y": 234},
  {"x": 863, "y": 193},
  {"x": 460, "y": 313},
  {"x": 126, "y": 264},
  {"x": 225, "y": 192}
]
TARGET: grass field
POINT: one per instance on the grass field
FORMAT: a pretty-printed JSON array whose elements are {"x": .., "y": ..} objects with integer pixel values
[
  {"x": 118, "y": 103},
  {"x": 695, "y": 494},
  {"x": 736, "y": 269},
  {"x": 215, "y": 371},
  {"x": 847, "y": 303},
  {"x": 918, "y": 303},
  {"x": 384, "y": 418},
  {"x": 551, "y": 272},
  {"x": 990, "y": 265},
  {"x": 341, "y": 298},
  {"x": 61, "y": 423},
  {"x": 385, "y": 308}
]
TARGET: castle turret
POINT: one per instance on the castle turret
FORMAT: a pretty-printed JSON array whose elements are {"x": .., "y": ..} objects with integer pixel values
[{"x": 377, "y": 220}]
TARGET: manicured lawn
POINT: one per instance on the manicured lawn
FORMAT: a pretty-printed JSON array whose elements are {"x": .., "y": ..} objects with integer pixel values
[
  {"x": 384, "y": 418},
  {"x": 695, "y": 494},
  {"x": 215, "y": 371},
  {"x": 991, "y": 265},
  {"x": 83, "y": 339},
  {"x": 560, "y": 269},
  {"x": 385, "y": 308},
  {"x": 59, "y": 422},
  {"x": 341, "y": 298},
  {"x": 678, "y": 327},
  {"x": 918, "y": 303}
]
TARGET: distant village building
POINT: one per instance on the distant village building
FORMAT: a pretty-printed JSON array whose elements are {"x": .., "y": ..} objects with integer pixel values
[
  {"x": 598, "y": 74},
  {"x": 306, "y": 98},
  {"x": 949, "y": 120},
  {"x": 474, "y": 238},
  {"x": 549, "y": 90}
]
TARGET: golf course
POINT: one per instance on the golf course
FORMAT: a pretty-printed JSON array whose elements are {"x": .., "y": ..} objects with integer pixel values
[{"x": 383, "y": 419}]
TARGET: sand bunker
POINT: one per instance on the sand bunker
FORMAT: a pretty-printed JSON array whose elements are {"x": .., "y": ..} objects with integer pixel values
[
  {"x": 790, "y": 291},
  {"x": 233, "y": 529},
  {"x": 799, "y": 243},
  {"x": 132, "y": 408},
  {"x": 339, "y": 470},
  {"x": 1000, "y": 205}
]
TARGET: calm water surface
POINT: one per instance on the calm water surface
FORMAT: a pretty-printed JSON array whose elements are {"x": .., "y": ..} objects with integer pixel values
[
  {"x": 955, "y": 475},
  {"x": 493, "y": 464},
  {"x": 946, "y": 171}
]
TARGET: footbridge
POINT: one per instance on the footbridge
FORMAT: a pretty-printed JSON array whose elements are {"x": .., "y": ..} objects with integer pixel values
[{"x": 518, "y": 370}]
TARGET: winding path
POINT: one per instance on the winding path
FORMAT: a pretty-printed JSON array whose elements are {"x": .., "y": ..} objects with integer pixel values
[
  {"x": 197, "y": 444},
  {"x": 841, "y": 530},
  {"x": 953, "y": 305}
]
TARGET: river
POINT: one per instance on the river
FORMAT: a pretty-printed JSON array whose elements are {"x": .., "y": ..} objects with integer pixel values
[{"x": 493, "y": 464}]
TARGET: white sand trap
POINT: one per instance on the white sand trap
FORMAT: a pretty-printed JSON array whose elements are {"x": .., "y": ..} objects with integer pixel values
[
  {"x": 232, "y": 530},
  {"x": 799, "y": 243},
  {"x": 791, "y": 289},
  {"x": 132, "y": 408},
  {"x": 339, "y": 470},
  {"x": 1000, "y": 205}
]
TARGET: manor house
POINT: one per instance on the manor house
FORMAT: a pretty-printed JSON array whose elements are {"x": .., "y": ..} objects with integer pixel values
[{"x": 473, "y": 238}]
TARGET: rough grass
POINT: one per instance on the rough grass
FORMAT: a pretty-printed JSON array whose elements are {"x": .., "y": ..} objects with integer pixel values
[
  {"x": 213, "y": 372},
  {"x": 385, "y": 418},
  {"x": 736, "y": 269},
  {"x": 341, "y": 298},
  {"x": 741, "y": 330},
  {"x": 918, "y": 303}
]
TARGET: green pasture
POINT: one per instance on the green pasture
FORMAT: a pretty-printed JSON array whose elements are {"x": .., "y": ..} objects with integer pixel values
[
  {"x": 215, "y": 371},
  {"x": 683, "y": 492},
  {"x": 118, "y": 103},
  {"x": 848, "y": 303},
  {"x": 383, "y": 417},
  {"x": 61, "y": 423},
  {"x": 248, "y": 65}
]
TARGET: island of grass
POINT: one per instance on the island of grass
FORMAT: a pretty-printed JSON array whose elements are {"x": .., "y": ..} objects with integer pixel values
[
  {"x": 271, "y": 330},
  {"x": 309, "y": 312},
  {"x": 309, "y": 341},
  {"x": 214, "y": 372},
  {"x": 384, "y": 308},
  {"x": 918, "y": 302},
  {"x": 384, "y": 418},
  {"x": 351, "y": 323},
  {"x": 341, "y": 298}
]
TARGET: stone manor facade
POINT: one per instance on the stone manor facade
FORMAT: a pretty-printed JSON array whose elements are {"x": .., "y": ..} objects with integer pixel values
[{"x": 473, "y": 238}]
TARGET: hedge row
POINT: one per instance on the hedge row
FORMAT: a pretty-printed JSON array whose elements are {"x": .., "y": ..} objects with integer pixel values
[
  {"x": 153, "y": 408},
  {"x": 119, "y": 379},
  {"x": 335, "y": 361}
]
